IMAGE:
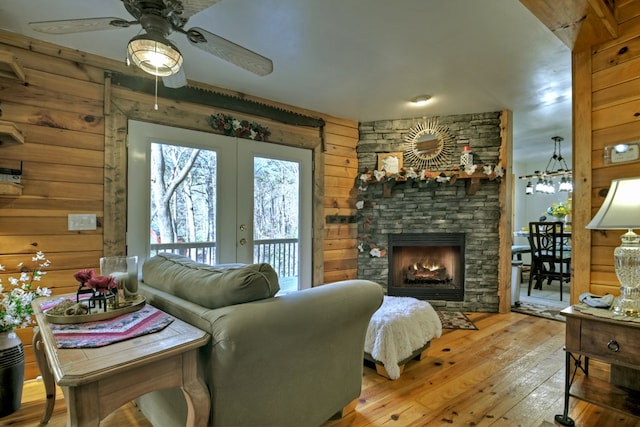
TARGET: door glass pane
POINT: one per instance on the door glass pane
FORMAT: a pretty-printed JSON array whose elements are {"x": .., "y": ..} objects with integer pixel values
[
  {"x": 276, "y": 217},
  {"x": 183, "y": 201}
]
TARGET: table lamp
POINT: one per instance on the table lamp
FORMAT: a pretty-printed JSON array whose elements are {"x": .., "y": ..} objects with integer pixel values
[{"x": 620, "y": 211}]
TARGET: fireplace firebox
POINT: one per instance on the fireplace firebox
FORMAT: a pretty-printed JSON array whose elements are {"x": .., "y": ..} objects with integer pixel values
[{"x": 428, "y": 266}]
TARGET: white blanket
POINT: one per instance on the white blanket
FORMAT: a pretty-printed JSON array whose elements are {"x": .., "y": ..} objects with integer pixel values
[{"x": 399, "y": 327}]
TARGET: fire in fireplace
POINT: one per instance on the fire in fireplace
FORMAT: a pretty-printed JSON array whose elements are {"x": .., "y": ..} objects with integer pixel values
[
  {"x": 426, "y": 272},
  {"x": 427, "y": 266}
]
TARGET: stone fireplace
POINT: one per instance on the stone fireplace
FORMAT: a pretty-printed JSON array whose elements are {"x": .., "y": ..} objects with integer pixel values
[
  {"x": 433, "y": 210},
  {"x": 427, "y": 266}
]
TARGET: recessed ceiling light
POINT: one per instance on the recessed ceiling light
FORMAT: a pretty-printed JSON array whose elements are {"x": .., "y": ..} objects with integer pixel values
[{"x": 421, "y": 99}]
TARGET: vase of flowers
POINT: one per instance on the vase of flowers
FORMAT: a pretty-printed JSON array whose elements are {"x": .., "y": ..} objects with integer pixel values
[
  {"x": 16, "y": 312},
  {"x": 561, "y": 211}
]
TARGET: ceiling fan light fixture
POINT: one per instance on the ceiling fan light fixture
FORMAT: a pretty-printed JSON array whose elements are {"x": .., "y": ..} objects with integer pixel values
[{"x": 154, "y": 54}]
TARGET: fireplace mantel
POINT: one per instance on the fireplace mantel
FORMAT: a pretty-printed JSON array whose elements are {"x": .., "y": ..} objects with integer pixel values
[{"x": 391, "y": 181}]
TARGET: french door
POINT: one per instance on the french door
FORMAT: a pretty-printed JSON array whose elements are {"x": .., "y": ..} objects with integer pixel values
[{"x": 220, "y": 199}]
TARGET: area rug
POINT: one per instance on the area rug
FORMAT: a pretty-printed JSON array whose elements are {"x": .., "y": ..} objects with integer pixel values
[
  {"x": 97, "y": 334},
  {"x": 540, "y": 310},
  {"x": 455, "y": 320}
]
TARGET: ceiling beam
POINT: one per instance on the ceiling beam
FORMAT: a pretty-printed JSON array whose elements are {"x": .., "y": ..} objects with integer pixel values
[
  {"x": 604, "y": 9},
  {"x": 579, "y": 24}
]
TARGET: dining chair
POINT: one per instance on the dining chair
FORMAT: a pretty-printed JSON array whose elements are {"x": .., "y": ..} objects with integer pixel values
[{"x": 550, "y": 254}]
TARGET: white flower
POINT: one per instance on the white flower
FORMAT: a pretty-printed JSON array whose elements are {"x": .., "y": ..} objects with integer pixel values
[
  {"x": 411, "y": 173},
  {"x": 15, "y": 301},
  {"x": 43, "y": 292},
  {"x": 470, "y": 170},
  {"x": 235, "y": 123},
  {"x": 379, "y": 175},
  {"x": 499, "y": 171},
  {"x": 360, "y": 247},
  {"x": 360, "y": 204},
  {"x": 487, "y": 170},
  {"x": 443, "y": 178},
  {"x": 364, "y": 177},
  {"x": 375, "y": 252}
]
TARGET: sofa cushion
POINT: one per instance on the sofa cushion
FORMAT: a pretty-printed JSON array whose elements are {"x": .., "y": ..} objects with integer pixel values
[{"x": 210, "y": 286}]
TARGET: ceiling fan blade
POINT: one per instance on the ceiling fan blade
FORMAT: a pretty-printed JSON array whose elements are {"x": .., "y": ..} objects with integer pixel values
[
  {"x": 69, "y": 26},
  {"x": 176, "y": 80},
  {"x": 229, "y": 51},
  {"x": 191, "y": 7}
]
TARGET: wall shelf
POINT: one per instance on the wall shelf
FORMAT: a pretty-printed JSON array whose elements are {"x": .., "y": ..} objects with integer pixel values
[
  {"x": 10, "y": 189},
  {"x": 10, "y": 67},
  {"x": 10, "y": 134}
]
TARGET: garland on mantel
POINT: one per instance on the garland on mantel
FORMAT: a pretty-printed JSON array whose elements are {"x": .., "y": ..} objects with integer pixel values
[
  {"x": 410, "y": 176},
  {"x": 493, "y": 172},
  {"x": 231, "y": 126}
]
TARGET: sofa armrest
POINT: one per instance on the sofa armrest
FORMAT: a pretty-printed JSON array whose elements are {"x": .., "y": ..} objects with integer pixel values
[{"x": 294, "y": 359}]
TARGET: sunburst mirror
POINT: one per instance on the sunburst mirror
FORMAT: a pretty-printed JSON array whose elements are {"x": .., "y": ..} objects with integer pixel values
[{"x": 430, "y": 145}]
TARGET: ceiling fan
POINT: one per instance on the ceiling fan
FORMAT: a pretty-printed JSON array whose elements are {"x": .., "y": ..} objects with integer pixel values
[{"x": 152, "y": 51}]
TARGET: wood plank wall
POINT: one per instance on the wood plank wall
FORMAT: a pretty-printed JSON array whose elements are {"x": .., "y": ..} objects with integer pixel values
[
  {"x": 74, "y": 161},
  {"x": 615, "y": 117},
  {"x": 606, "y": 111}
]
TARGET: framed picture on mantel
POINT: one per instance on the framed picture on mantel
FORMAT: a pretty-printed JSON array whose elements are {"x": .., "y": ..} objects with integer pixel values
[{"x": 390, "y": 162}]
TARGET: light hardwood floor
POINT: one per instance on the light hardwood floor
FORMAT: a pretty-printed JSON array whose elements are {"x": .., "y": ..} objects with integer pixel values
[{"x": 510, "y": 372}]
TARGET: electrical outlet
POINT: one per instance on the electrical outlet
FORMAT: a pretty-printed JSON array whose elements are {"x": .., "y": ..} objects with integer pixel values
[{"x": 78, "y": 222}]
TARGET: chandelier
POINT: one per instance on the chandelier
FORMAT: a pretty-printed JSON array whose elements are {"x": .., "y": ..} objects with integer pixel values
[{"x": 556, "y": 171}]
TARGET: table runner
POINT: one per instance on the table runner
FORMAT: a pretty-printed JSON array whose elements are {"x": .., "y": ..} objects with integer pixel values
[{"x": 98, "y": 334}]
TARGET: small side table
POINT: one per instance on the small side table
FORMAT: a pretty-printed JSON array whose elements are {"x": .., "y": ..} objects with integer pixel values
[
  {"x": 615, "y": 342},
  {"x": 97, "y": 381}
]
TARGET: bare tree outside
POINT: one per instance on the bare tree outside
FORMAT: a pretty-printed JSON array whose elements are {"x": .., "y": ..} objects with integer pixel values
[
  {"x": 183, "y": 206},
  {"x": 177, "y": 188},
  {"x": 276, "y": 198}
]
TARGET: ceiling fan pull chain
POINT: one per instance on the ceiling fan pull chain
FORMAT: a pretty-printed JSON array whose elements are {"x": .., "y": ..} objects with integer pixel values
[{"x": 155, "y": 106}]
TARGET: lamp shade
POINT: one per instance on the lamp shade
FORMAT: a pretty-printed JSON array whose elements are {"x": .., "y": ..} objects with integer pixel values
[
  {"x": 621, "y": 207},
  {"x": 155, "y": 54}
]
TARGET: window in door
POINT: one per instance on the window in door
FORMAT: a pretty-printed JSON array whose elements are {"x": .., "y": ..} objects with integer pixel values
[{"x": 218, "y": 199}]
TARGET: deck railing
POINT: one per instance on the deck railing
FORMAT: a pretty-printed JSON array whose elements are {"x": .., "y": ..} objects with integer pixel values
[
  {"x": 281, "y": 254},
  {"x": 204, "y": 252}
]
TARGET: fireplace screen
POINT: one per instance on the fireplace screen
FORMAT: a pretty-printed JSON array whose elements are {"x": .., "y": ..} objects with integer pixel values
[{"x": 427, "y": 266}]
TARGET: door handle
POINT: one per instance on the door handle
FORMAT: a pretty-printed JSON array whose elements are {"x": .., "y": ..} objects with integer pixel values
[{"x": 243, "y": 241}]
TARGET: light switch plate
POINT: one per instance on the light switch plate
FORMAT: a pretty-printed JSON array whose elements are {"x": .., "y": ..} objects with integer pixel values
[{"x": 79, "y": 222}]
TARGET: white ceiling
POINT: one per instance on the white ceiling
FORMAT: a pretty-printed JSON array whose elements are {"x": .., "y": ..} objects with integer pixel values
[{"x": 364, "y": 59}]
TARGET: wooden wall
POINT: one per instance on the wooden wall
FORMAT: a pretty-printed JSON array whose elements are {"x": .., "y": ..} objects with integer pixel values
[
  {"x": 606, "y": 110},
  {"x": 615, "y": 79},
  {"x": 74, "y": 161}
]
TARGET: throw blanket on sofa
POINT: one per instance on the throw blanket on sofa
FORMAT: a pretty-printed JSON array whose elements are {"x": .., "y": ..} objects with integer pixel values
[{"x": 398, "y": 328}]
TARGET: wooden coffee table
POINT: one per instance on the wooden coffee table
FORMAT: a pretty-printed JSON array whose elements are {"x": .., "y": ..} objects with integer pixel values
[{"x": 97, "y": 381}]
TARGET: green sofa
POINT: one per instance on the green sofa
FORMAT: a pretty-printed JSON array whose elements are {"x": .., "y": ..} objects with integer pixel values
[{"x": 273, "y": 360}]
